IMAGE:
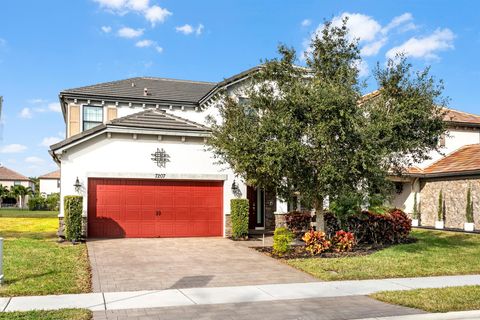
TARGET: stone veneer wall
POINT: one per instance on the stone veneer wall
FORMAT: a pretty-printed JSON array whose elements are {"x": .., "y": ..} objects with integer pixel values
[{"x": 455, "y": 195}]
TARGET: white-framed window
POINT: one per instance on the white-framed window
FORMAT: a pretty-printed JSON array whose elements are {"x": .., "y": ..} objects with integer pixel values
[
  {"x": 17, "y": 183},
  {"x": 92, "y": 116}
]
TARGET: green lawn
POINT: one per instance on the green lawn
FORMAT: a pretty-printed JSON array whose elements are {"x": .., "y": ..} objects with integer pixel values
[
  {"x": 19, "y": 213},
  {"x": 35, "y": 264},
  {"x": 435, "y": 253},
  {"x": 435, "y": 300},
  {"x": 65, "y": 314}
]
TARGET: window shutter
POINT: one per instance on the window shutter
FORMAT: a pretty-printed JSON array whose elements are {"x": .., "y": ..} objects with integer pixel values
[
  {"x": 111, "y": 114},
  {"x": 74, "y": 120}
]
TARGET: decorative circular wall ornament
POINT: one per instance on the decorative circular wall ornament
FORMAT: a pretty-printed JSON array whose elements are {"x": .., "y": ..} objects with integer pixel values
[{"x": 160, "y": 157}]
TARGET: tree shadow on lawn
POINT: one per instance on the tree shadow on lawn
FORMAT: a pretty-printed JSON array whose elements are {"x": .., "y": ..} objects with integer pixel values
[{"x": 8, "y": 281}]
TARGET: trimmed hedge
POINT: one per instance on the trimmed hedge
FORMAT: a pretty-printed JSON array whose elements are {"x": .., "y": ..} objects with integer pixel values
[
  {"x": 239, "y": 218},
  {"x": 73, "y": 217},
  {"x": 368, "y": 227}
]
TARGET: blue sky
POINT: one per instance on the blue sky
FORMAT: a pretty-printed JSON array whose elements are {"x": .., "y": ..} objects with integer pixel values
[{"x": 47, "y": 46}]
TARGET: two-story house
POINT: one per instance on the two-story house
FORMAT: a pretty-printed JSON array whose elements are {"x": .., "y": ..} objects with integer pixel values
[
  {"x": 135, "y": 150},
  {"x": 49, "y": 183},
  {"x": 10, "y": 178}
]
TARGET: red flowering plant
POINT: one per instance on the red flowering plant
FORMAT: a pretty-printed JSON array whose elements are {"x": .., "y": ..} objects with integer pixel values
[
  {"x": 316, "y": 242},
  {"x": 343, "y": 241}
]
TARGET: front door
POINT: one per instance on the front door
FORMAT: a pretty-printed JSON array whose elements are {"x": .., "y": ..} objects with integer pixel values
[{"x": 256, "y": 212}]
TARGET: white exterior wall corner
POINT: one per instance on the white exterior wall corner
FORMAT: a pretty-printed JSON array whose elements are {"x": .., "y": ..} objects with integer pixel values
[
  {"x": 49, "y": 186},
  {"x": 121, "y": 156}
]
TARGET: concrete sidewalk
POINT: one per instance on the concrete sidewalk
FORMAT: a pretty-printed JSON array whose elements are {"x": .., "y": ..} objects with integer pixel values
[{"x": 223, "y": 295}]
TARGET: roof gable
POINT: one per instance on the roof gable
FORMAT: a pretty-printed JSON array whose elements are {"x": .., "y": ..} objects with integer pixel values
[
  {"x": 10, "y": 175},
  {"x": 148, "y": 120},
  {"x": 51, "y": 175}
]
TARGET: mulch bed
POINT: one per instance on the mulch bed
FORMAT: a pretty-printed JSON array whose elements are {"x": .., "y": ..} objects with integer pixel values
[{"x": 298, "y": 251}]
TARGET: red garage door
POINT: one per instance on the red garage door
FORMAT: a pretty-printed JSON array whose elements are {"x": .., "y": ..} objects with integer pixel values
[{"x": 154, "y": 208}]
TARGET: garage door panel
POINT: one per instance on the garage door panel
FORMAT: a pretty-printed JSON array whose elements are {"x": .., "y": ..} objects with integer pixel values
[{"x": 128, "y": 208}]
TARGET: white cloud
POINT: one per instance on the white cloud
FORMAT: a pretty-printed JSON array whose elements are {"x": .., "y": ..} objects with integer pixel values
[
  {"x": 306, "y": 22},
  {"x": 114, "y": 5},
  {"x": 199, "y": 29},
  {"x": 159, "y": 49},
  {"x": 129, "y": 33},
  {"x": 185, "y": 29},
  {"x": 153, "y": 14},
  {"x": 55, "y": 107},
  {"x": 48, "y": 141},
  {"x": 372, "y": 48},
  {"x": 402, "y": 19},
  {"x": 106, "y": 29},
  {"x": 426, "y": 47},
  {"x": 138, "y": 5},
  {"x": 13, "y": 148},
  {"x": 361, "y": 27},
  {"x": 156, "y": 14},
  {"x": 363, "y": 69},
  {"x": 188, "y": 29},
  {"x": 34, "y": 160},
  {"x": 26, "y": 113},
  {"x": 36, "y": 101},
  {"x": 144, "y": 43}
]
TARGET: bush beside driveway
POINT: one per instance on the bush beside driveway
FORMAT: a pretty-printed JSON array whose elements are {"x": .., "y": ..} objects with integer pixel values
[{"x": 35, "y": 264}]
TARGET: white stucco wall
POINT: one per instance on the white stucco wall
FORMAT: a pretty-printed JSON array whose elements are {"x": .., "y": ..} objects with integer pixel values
[
  {"x": 123, "y": 157},
  {"x": 455, "y": 139},
  {"x": 49, "y": 186}
]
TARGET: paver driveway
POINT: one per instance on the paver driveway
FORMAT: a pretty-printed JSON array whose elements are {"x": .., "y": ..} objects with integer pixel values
[{"x": 149, "y": 264}]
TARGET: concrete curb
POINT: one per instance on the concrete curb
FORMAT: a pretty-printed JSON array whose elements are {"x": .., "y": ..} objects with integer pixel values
[{"x": 458, "y": 315}]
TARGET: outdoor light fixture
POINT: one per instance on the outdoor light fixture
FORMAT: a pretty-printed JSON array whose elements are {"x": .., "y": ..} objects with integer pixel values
[
  {"x": 234, "y": 185},
  {"x": 77, "y": 185}
]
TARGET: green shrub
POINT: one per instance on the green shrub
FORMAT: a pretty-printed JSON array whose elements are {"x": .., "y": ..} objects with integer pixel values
[
  {"x": 416, "y": 211},
  {"x": 239, "y": 218},
  {"x": 53, "y": 201},
  {"x": 73, "y": 217},
  {"x": 37, "y": 203},
  {"x": 282, "y": 239},
  {"x": 469, "y": 211},
  {"x": 441, "y": 206}
]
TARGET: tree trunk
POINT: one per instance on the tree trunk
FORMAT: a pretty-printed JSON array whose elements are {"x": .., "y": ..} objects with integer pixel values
[{"x": 319, "y": 213}]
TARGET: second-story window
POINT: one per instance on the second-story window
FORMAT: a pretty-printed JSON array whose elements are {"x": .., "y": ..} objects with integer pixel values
[{"x": 92, "y": 116}]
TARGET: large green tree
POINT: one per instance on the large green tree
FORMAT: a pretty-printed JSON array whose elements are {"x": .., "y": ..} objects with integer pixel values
[{"x": 308, "y": 130}]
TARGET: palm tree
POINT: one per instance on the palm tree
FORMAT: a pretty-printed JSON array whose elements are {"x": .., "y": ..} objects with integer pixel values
[
  {"x": 21, "y": 192},
  {"x": 3, "y": 192}
]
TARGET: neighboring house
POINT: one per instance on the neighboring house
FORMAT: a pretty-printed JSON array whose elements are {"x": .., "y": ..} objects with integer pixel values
[
  {"x": 49, "y": 183},
  {"x": 135, "y": 150},
  {"x": 452, "y": 171},
  {"x": 10, "y": 178}
]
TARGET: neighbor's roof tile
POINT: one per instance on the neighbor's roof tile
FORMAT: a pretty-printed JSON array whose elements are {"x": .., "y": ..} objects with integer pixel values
[
  {"x": 8, "y": 174},
  {"x": 51, "y": 175}
]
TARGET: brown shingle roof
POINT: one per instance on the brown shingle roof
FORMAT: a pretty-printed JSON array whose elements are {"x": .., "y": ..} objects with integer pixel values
[
  {"x": 9, "y": 175},
  {"x": 51, "y": 175},
  {"x": 464, "y": 160},
  {"x": 461, "y": 117}
]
